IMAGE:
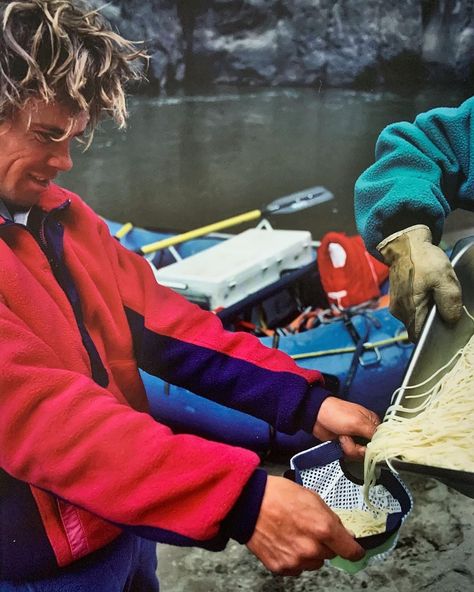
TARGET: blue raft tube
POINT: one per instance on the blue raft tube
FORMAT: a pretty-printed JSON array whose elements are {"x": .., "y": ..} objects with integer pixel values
[{"x": 368, "y": 379}]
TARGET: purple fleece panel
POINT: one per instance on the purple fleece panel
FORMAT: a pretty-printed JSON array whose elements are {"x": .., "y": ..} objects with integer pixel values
[{"x": 283, "y": 399}]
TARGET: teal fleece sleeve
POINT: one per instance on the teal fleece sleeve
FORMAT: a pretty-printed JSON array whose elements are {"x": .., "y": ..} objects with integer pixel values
[{"x": 423, "y": 170}]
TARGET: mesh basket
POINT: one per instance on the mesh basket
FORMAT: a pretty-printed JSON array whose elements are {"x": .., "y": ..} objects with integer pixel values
[{"x": 321, "y": 469}]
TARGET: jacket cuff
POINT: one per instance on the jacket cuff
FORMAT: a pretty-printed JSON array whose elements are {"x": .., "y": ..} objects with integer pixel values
[
  {"x": 310, "y": 408},
  {"x": 240, "y": 521},
  {"x": 395, "y": 235}
]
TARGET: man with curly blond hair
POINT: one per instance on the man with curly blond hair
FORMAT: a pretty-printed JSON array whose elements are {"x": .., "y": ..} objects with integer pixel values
[{"x": 89, "y": 480}]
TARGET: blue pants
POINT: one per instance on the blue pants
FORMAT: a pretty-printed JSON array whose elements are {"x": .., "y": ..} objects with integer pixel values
[{"x": 128, "y": 564}]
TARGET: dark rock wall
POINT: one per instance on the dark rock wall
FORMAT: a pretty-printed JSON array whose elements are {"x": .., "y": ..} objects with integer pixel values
[
  {"x": 301, "y": 42},
  {"x": 157, "y": 25},
  {"x": 448, "y": 36},
  {"x": 304, "y": 42}
]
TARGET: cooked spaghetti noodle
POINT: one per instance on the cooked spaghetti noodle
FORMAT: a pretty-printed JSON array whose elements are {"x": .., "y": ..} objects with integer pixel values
[
  {"x": 437, "y": 432},
  {"x": 362, "y": 522}
]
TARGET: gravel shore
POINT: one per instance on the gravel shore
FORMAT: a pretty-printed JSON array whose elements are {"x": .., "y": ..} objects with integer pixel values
[{"x": 435, "y": 553}]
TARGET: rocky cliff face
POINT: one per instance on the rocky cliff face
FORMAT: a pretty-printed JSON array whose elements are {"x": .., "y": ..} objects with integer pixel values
[{"x": 301, "y": 42}]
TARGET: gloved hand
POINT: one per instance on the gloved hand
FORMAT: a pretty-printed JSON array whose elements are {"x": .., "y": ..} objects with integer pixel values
[{"x": 419, "y": 273}]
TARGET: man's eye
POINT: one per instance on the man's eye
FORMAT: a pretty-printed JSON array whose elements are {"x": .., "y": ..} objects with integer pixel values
[
  {"x": 46, "y": 137},
  {"x": 43, "y": 137}
]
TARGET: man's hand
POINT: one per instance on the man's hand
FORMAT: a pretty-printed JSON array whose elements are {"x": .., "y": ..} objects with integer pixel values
[
  {"x": 297, "y": 531},
  {"x": 341, "y": 418},
  {"x": 420, "y": 273}
]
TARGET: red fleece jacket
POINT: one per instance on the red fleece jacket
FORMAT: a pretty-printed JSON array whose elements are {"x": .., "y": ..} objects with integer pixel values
[{"x": 94, "y": 458}]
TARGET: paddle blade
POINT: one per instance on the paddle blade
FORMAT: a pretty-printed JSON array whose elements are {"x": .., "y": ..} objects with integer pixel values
[{"x": 299, "y": 201}]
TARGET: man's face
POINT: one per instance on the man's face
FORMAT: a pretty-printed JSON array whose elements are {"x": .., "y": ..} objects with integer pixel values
[{"x": 35, "y": 147}]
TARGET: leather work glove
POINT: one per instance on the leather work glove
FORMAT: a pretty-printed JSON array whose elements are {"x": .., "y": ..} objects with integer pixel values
[{"x": 419, "y": 273}]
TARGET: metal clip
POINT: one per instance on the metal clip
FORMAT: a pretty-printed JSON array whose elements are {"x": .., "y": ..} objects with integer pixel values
[{"x": 378, "y": 356}]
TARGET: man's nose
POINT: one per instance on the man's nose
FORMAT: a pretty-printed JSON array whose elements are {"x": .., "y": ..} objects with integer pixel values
[{"x": 60, "y": 157}]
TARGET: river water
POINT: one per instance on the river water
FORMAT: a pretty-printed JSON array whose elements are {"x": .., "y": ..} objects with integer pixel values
[{"x": 188, "y": 160}]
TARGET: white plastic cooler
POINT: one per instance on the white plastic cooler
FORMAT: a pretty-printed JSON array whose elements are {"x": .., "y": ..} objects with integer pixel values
[{"x": 239, "y": 266}]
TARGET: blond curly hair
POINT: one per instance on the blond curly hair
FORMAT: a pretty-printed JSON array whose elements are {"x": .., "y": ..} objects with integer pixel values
[{"x": 63, "y": 50}]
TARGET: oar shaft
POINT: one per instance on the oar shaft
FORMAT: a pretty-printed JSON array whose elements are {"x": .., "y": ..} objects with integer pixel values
[
  {"x": 124, "y": 230},
  {"x": 197, "y": 232}
]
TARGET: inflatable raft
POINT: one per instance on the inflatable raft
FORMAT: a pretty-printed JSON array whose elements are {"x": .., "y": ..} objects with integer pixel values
[{"x": 363, "y": 351}]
